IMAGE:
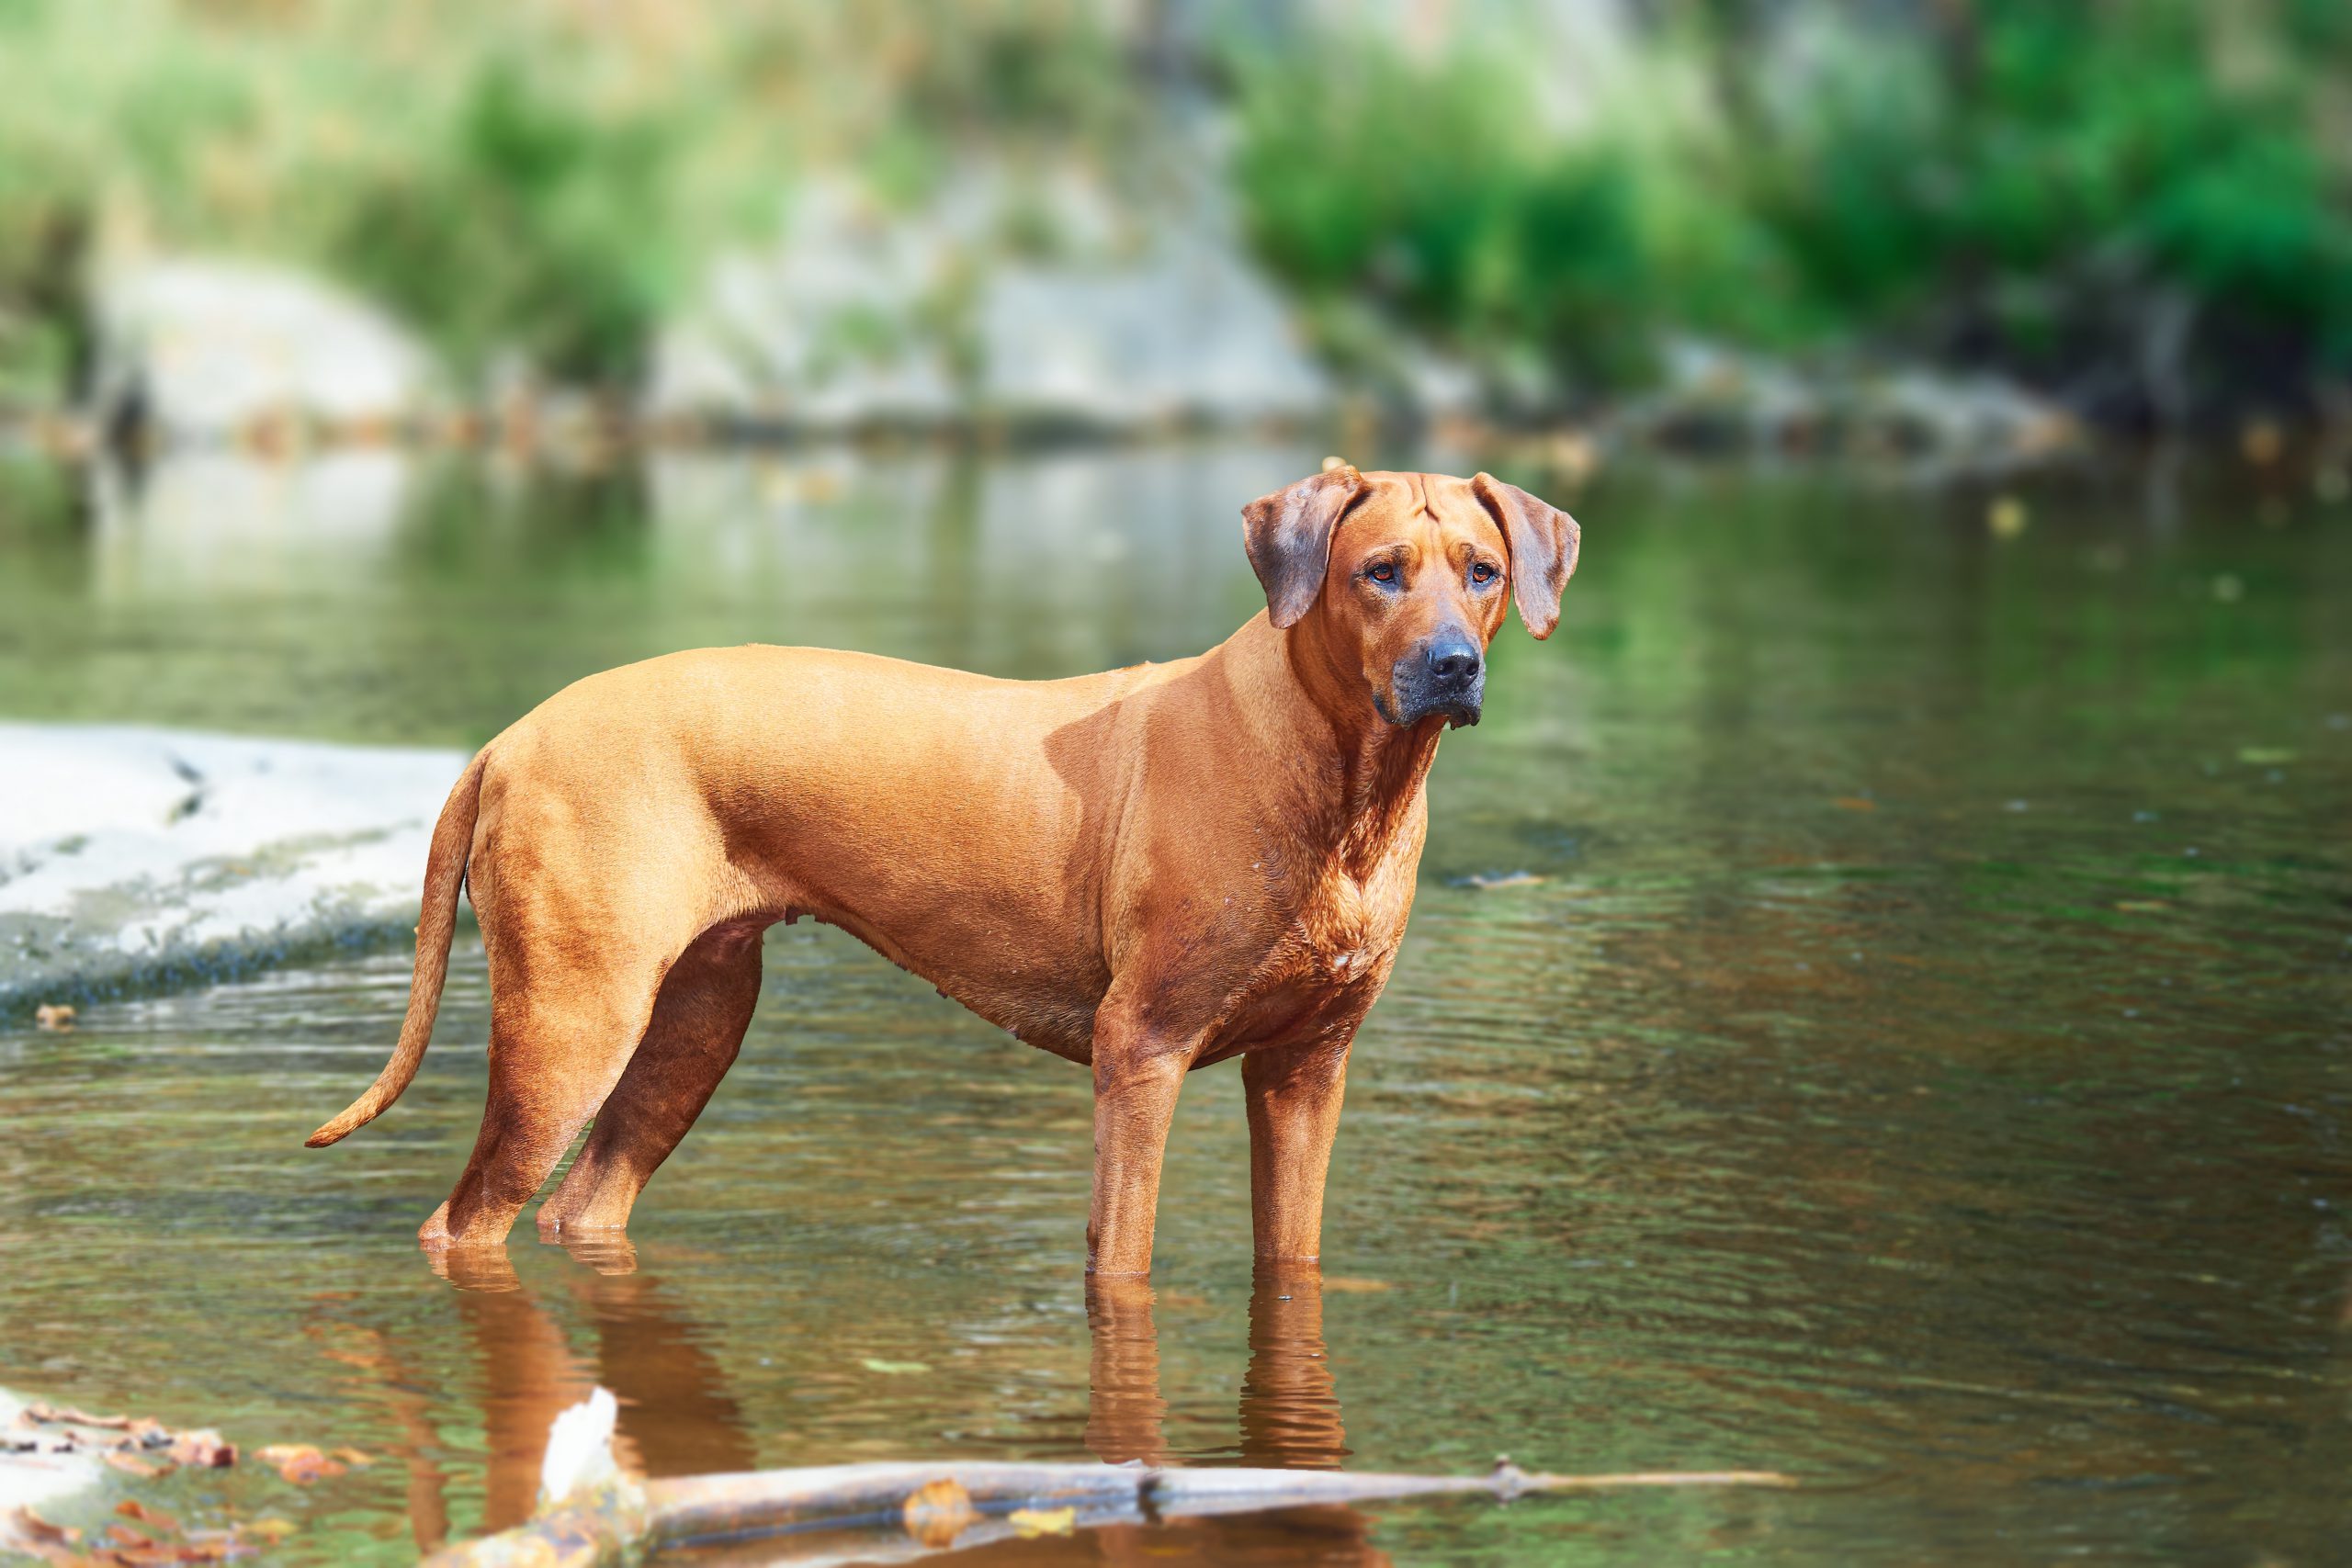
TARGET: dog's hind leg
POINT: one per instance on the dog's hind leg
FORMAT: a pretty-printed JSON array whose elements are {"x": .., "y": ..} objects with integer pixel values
[
  {"x": 698, "y": 1021},
  {"x": 556, "y": 1052}
]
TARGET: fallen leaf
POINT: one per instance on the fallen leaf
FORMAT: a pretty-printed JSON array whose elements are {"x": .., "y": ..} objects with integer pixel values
[
  {"x": 298, "y": 1462},
  {"x": 2266, "y": 756},
  {"x": 1854, "y": 803},
  {"x": 1031, "y": 1523},
  {"x": 35, "y": 1529},
  {"x": 69, "y": 1416},
  {"x": 269, "y": 1527},
  {"x": 154, "y": 1518},
  {"x": 937, "y": 1513},
  {"x": 2143, "y": 906},
  {"x": 354, "y": 1457},
  {"x": 1487, "y": 881},
  {"x": 148, "y": 1556},
  {"x": 1348, "y": 1287},
  {"x": 131, "y": 1464},
  {"x": 125, "y": 1535},
  {"x": 204, "y": 1450},
  {"x": 2006, "y": 517},
  {"x": 895, "y": 1368}
]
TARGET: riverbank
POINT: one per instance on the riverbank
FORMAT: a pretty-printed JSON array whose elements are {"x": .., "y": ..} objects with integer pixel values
[{"x": 139, "y": 857}]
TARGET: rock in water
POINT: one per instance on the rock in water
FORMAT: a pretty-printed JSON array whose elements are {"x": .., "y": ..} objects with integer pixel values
[{"x": 138, "y": 856}]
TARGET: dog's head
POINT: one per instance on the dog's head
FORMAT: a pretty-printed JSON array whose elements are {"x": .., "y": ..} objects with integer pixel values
[{"x": 1398, "y": 580}]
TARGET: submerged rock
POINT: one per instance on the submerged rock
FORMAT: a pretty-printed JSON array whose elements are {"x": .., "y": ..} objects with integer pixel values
[{"x": 139, "y": 857}]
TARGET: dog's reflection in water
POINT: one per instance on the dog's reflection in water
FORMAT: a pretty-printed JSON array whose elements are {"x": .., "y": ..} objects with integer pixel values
[
  {"x": 1289, "y": 1414},
  {"x": 677, "y": 1418},
  {"x": 1289, "y": 1419}
]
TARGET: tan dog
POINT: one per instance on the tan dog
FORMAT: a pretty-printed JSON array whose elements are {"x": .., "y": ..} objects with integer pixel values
[{"x": 1147, "y": 870}]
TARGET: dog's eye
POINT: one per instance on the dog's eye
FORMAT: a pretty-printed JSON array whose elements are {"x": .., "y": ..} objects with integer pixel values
[
  {"x": 1384, "y": 573},
  {"x": 1481, "y": 574}
]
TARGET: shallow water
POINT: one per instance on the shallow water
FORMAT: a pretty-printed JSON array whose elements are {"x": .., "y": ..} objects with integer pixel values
[{"x": 1879, "y": 1007}]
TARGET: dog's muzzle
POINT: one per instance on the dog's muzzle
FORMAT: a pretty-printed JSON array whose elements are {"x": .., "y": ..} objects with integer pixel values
[{"x": 1446, "y": 675}]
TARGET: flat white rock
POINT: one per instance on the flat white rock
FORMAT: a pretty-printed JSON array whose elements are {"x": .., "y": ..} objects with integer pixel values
[
  {"x": 29, "y": 1480},
  {"x": 133, "y": 856}
]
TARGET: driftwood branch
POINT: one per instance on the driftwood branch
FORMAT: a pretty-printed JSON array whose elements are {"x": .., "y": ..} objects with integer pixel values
[{"x": 601, "y": 1518}]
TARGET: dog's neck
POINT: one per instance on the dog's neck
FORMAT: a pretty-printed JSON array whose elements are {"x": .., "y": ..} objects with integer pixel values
[{"x": 1366, "y": 773}]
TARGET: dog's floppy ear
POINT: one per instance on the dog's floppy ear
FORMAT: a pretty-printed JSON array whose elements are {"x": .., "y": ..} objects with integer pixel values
[
  {"x": 1288, "y": 535},
  {"x": 1542, "y": 540}
]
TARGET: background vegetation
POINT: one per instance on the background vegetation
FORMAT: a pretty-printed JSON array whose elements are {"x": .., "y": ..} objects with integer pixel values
[
  {"x": 2139, "y": 206},
  {"x": 2144, "y": 208},
  {"x": 547, "y": 179}
]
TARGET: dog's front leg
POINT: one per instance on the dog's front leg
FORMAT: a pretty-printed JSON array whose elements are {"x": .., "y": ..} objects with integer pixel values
[
  {"x": 1293, "y": 1094},
  {"x": 1137, "y": 1075}
]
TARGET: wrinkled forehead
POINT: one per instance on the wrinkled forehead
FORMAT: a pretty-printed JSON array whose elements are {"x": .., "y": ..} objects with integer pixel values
[{"x": 1433, "y": 509}]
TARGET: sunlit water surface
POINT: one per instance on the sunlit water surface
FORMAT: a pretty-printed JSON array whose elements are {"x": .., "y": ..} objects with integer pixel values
[{"x": 1877, "y": 1008}]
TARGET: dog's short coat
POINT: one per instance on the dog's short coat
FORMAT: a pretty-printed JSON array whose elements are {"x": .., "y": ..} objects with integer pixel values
[{"x": 1147, "y": 870}]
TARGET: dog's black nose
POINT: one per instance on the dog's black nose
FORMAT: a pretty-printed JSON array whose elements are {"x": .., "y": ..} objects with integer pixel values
[
  {"x": 1447, "y": 675},
  {"x": 1453, "y": 659}
]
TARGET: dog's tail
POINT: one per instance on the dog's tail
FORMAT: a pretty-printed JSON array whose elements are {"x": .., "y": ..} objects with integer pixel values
[{"x": 445, "y": 870}]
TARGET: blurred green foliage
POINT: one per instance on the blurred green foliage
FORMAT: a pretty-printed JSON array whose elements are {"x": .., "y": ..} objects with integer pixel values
[
  {"x": 545, "y": 177},
  {"x": 2042, "y": 185},
  {"x": 2158, "y": 192},
  {"x": 2048, "y": 161},
  {"x": 1432, "y": 191},
  {"x": 531, "y": 221}
]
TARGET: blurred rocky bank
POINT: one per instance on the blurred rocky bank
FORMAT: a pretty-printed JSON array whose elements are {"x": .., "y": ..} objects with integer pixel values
[{"x": 860, "y": 320}]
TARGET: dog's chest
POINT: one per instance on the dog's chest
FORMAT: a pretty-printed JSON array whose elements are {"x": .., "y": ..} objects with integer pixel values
[
  {"x": 1330, "y": 963},
  {"x": 1346, "y": 927}
]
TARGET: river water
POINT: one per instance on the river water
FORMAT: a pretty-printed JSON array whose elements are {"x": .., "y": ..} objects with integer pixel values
[{"x": 1879, "y": 1007}]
